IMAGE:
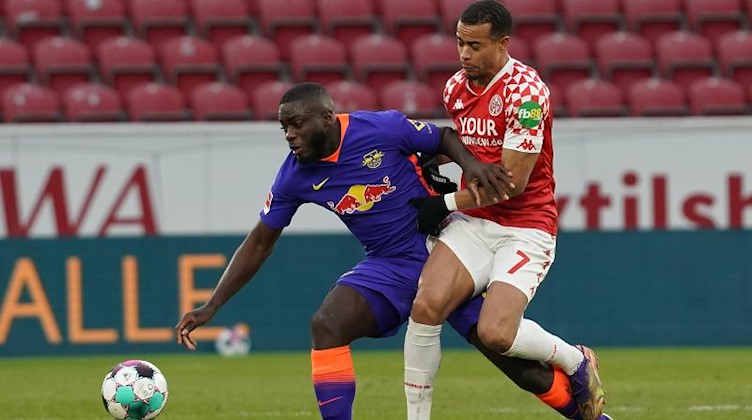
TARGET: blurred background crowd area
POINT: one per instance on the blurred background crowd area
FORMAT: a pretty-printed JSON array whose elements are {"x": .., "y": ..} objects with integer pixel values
[{"x": 182, "y": 60}]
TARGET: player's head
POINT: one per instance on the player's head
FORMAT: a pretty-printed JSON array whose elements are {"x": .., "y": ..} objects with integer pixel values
[
  {"x": 482, "y": 37},
  {"x": 306, "y": 113}
]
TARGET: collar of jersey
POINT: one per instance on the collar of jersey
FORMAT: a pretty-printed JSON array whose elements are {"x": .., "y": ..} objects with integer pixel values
[
  {"x": 344, "y": 122},
  {"x": 504, "y": 70}
]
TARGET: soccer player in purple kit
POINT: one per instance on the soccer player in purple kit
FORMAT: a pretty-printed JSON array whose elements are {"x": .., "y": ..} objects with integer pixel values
[{"x": 361, "y": 166}]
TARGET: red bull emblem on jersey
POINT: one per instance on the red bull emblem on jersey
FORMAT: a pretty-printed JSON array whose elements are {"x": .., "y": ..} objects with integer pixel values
[
  {"x": 373, "y": 158},
  {"x": 361, "y": 197}
]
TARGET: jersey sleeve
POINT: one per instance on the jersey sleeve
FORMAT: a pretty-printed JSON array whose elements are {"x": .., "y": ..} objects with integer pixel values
[
  {"x": 411, "y": 135},
  {"x": 528, "y": 106},
  {"x": 279, "y": 206}
]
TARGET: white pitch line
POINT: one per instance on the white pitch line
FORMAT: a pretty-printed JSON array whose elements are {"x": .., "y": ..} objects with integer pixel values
[{"x": 724, "y": 407}]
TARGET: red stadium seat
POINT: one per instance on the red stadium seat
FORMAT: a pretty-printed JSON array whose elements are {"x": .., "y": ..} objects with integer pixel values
[
  {"x": 156, "y": 102},
  {"x": 684, "y": 57},
  {"x": 591, "y": 20},
  {"x": 158, "y": 21},
  {"x": 715, "y": 96},
  {"x": 653, "y": 18},
  {"x": 251, "y": 61},
  {"x": 62, "y": 62},
  {"x": 435, "y": 59},
  {"x": 265, "y": 100},
  {"x": 14, "y": 64},
  {"x": 30, "y": 103},
  {"x": 409, "y": 20},
  {"x": 624, "y": 58},
  {"x": 657, "y": 98},
  {"x": 221, "y": 20},
  {"x": 378, "y": 60},
  {"x": 533, "y": 18},
  {"x": 285, "y": 20},
  {"x": 127, "y": 62},
  {"x": 558, "y": 101},
  {"x": 219, "y": 102},
  {"x": 96, "y": 21},
  {"x": 713, "y": 18},
  {"x": 520, "y": 50},
  {"x": 451, "y": 10},
  {"x": 347, "y": 20},
  {"x": 735, "y": 56},
  {"x": 352, "y": 96},
  {"x": 562, "y": 59},
  {"x": 30, "y": 21},
  {"x": 92, "y": 103},
  {"x": 414, "y": 99},
  {"x": 595, "y": 98},
  {"x": 317, "y": 58},
  {"x": 188, "y": 62}
]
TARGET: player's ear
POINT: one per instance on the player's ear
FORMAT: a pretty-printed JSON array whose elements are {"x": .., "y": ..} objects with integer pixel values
[{"x": 503, "y": 43}]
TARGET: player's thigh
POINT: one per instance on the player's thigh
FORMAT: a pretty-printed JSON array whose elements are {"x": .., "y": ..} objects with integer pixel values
[{"x": 344, "y": 315}]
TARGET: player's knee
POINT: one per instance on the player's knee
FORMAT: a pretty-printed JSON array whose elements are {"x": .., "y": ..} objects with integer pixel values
[
  {"x": 425, "y": 313},
  {"x": 495, "y": 338},
  {"x": 323, "y": 328}
]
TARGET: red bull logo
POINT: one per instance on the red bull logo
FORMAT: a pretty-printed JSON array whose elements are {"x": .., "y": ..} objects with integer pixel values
[{"x": 361, "y": 197}]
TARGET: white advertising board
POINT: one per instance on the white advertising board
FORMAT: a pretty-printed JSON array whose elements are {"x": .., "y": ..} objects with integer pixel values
[{"x": 177, "y": 179}]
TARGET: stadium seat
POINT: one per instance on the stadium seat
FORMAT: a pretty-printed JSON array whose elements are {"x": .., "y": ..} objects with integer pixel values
[
  {"x": 451, "y": 10},
  {"x": 156, "y": 102},
  {"x": 412, "y": 98},
  {"x": 716, "y": 96},
  {"x": 284, "y": 20},
  {"x": 519, "y": 50},
  {"x": 533, "y": 18},
  {"x": 265, "y": 100},
  {"x": 251, "y": 61},
  {"x": 30, "y": 21},
  {"x": 734, "y": 53},
  {"x": 317, "y": 58},
  {"x": 219, "y": 102},
  {"x": 127, "y": 62},
  {"x": 221, "y": 20},
  {"x": 657, "y": 98},
  {"x": 96, "y": 21},
  {"x": 378, "y": 60},
  {"x": 188, "y": 62},
  {"x": 653, "y": 18},
  {"x": 624, "y": 58},
  {"x": 713, "y": 18},
  {"x": 14, "y": 64},
  {"x": 62, "y": 62},
  {"x": 30, "y": 103},
  {"x": 352, "y": 96},
  {"x": 346, "y": 20},
  {"x": 409, "y": 20},
  {"x": 435, "y": 59},
  {"x": 595, "y": 98},
  {"x": 562, "y": 59},
  {"x": 558, "y": 101},
  {"x": 92, "y": 103},
  {"x": 591, "y": 20},
  {"x": 684, "y": 57},
  {"x": 158, "y": 21}
]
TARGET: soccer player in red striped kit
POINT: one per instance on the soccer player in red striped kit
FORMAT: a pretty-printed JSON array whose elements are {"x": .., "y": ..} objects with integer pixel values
[{"x": 501, "y": 109}]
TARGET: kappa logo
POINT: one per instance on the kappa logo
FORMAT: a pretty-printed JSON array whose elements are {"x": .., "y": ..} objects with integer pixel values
[
  {"x": 527, "y": 144},
  {"x": 458, "y": 104}
]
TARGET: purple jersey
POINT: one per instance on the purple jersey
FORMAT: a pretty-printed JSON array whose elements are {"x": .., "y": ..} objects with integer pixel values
[{"x": 367, "y": 182}]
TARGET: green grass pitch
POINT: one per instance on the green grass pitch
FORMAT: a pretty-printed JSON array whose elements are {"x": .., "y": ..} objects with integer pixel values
[{"x": 642, "y": 384}]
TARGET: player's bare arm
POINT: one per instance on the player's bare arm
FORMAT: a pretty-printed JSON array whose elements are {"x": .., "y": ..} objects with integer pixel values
[{"x": 248, "y": 258}]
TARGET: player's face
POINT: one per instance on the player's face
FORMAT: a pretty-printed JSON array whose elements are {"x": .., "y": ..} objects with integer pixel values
[
  {"x": 305, "y": 126},
  {"x": 481, "y": 55}
]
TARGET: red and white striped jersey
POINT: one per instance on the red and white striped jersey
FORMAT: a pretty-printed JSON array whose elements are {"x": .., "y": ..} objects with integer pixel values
[{"x": 512, "y": 112}]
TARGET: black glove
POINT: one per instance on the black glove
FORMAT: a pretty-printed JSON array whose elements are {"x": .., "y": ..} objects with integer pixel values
[
  {"x": 431, "y": 213},
  {"x": 429, "y": 165}
]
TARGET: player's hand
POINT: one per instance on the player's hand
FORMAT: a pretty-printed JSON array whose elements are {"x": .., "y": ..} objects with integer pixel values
[
  {"x": 494, "y": 178},
  {"x": 189, "y": 322},
  {"x": 431, "y": 213},
  {"x": 429, "y": 165}
]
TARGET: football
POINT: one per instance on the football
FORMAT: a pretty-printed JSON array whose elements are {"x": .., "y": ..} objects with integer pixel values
[{"x": 134, "y": 389}]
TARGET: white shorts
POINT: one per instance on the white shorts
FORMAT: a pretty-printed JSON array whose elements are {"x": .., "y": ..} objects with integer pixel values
[{"x": 492, "y": 252}]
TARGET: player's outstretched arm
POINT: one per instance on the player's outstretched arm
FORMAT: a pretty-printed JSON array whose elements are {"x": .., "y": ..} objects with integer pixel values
[
  {"x": 244, "y": 264},
  {"x": 495, "y": 178}
]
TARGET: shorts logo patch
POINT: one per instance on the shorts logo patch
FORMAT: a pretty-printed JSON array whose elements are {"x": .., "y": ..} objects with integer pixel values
[
  {"x": 373, "y": 158},
  {"x": 268, "y": 202},
  {"x": 494, "y": 106},
  {"x": 530, "y": 114}
]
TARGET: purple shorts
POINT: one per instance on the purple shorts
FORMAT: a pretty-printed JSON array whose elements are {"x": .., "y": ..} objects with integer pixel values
[{"x": 389, "y": 286}]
